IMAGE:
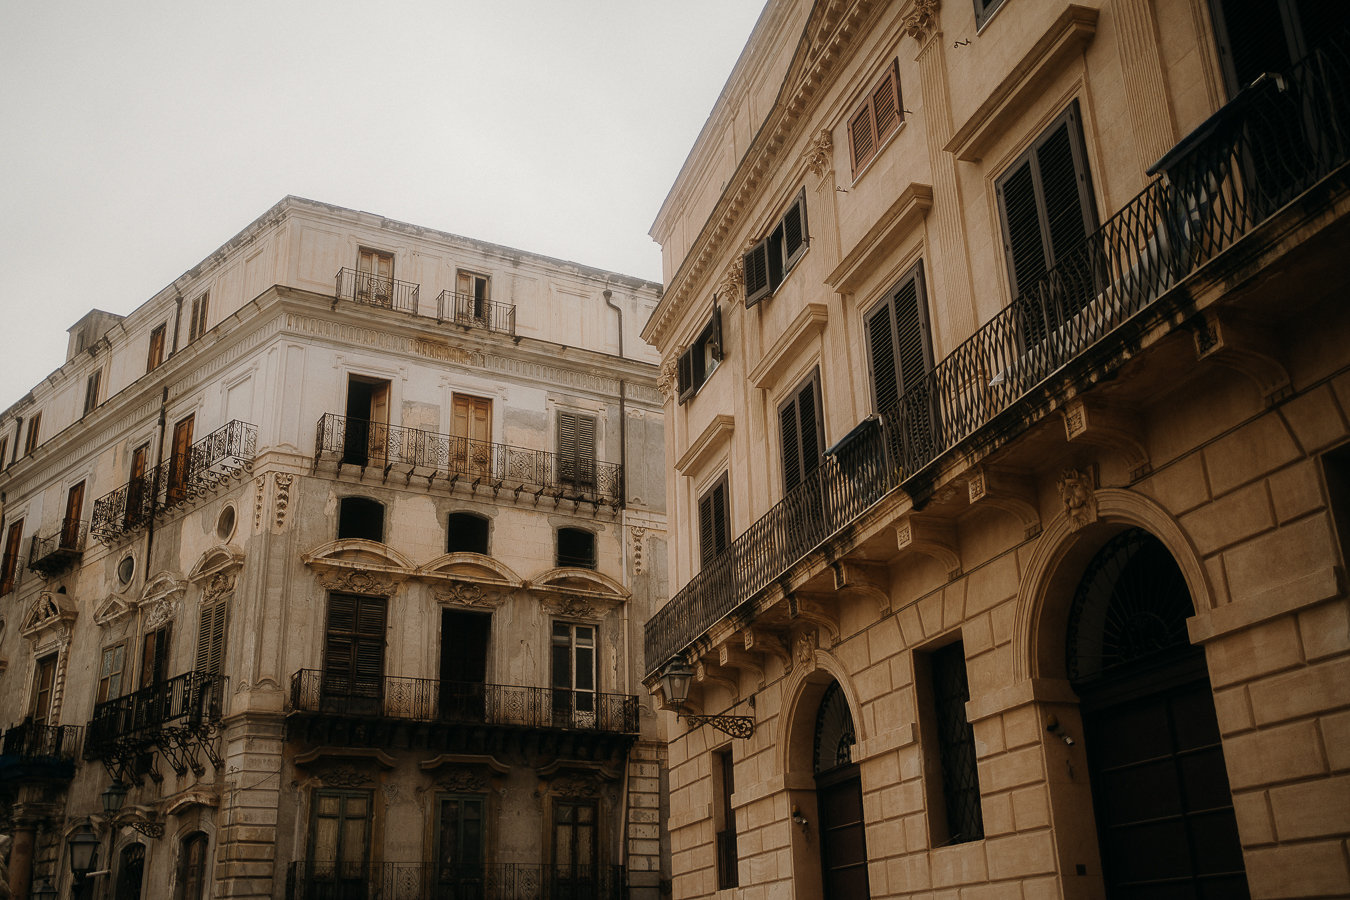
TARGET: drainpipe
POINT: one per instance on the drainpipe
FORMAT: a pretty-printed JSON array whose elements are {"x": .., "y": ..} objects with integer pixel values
[
  {"x": 623, "y": 415},
  {"x": 154, "y": 488},
  {"x": 177, "y": 324}
]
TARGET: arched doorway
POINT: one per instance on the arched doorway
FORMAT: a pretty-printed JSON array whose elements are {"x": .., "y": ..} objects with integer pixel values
[
  {"x": 131, "y": 872},
  {"x": 843, "y": 841},
  {"x": 1160, "y": 790}
]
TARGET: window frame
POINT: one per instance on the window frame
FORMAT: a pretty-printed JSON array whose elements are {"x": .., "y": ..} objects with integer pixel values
[
  {"x": 4, "y": 449},
  {"x": 594, "y": 560},
  {"x": 192, "y": 879},
  {"x": 462, "y": 515},
  {"x": 155, "y": 657},
  {"x": 103, "y": 691},
  {"x": 10, "y": 552},
  {"x": 984, "y": 10},
  {"x": 48, "y": 665},
  {"x": 767, "y": 263},
  {"x": 692, "y": 370},
  {"x": 154, "y": 357},
  {"x": 576, "y": 461},
  {"x": 707, "y": 530},
  {"x": 892, "y": 368},
  {"x": 939, "y": 764},
  {"x": 33, "y": 441},
  {"x": 866, "y": 113},
  {"x": 341, "y": 795},
  {"x": 351, "y": 501},
  {"x": 589, "y": 696},
  {"x": 91, "y": 390},
  {"x": 197, "y": 316},
  {"x": 793, "y": 403}
]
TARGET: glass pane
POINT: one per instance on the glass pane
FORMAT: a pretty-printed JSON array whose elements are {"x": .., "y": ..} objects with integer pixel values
[
  {"x": 328, "y": 806},
  {"x": 325, "y": 839},
  {"x": 585, "y": 636},
  {"x": 561, "y": 633},
  {"x": 562, "y": 667},
  {"x": 585, "y": 669},
  {"x": 353, "y": 840}
]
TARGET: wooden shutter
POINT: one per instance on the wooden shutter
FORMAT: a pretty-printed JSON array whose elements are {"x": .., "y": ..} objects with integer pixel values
[
  {"x": 713, "y": 525},
  {"x": 211, "y": 638},
  {"x": 354, "y": 650},
  {"x": 180, "y": 459},
  {"x": 877, "y": 118},
  {"x": 576, "y": 448},
  {"x": 862, "y": 136},
  {"x": 795, "y": 237},
  {"x": 155, "y": 657},
  {"x": 9, "y": 565},
  {"x": 156, "y": 355},
  {"x": 756, "y": 263},
  {"x": 90, "y": 397},
  {"x": 42, "y": 690},
  {"x": 715, "y": 338},
  {"x": 684, "y": 371},
  {"x": 34, "y": 431},
  {"x": 799, "y": 427},
  {"x": 197, "y": 320}
]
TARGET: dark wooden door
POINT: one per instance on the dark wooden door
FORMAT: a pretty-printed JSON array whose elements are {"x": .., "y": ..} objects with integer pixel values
[
  {"x": 1160, "y": 789},
  {"x": 180, "y": 460},
  {"x": 575, "y": 851},
  {"x": 459, "y": 842},
  {"x": 843, "y": 843},
  {"x": 137, "y": 496},
  {"x": 70, "y": 527},
  {"x": 464, "y": 646}
]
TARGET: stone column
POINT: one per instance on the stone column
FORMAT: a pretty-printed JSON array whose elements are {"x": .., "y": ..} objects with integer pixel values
[
  {"x": 21, "y": 858},
  {"x": 1145, "y": 83}
]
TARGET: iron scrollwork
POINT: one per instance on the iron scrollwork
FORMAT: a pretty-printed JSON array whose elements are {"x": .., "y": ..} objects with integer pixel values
[{"x": 736, "y": 726}]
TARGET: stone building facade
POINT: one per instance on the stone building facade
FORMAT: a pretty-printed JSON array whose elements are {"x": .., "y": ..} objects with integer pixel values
[
  {"x": 1004, "y": 349},
  {"x": 334, "y": 556}
]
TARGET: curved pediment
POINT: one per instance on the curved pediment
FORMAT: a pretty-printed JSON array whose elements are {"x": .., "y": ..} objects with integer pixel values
[
  {"x": 49, "y": 611},
  {"x": 220, "y": 558},
  {"x": 469, "y": 567},
  {"x": 579, "y": 581},
  {"x": 357, "y": 553},
  {"x": 163, "y": 587}
]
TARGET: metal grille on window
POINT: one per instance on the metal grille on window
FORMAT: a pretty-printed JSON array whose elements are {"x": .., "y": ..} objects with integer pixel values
[
  {"x": 956, "y": 745},
  {"x": 834, "y": 731}
]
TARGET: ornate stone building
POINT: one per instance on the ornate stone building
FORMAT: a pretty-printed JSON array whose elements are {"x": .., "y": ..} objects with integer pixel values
[
  {"x": 1005, "y": 354},
  {"x": 324, "y": 575}
]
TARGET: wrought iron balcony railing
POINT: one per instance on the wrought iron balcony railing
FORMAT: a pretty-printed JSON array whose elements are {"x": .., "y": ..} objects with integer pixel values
[
  {"x": 11, "y": 572},
  {"x": 476, "y": 312},
  {"x": 429, "y": 700},
  {"x": 479, "y": 463},
  {"x": 1272, "y": 143},
  {"x": 376, "y": 290},
  {"x": 176, "y": 716},
  {"x": 345, "y": 880},
  {"x": 27, "y": 741},
  {"x": 54, "y": 552},
  {"x": 225, "y": 453}
]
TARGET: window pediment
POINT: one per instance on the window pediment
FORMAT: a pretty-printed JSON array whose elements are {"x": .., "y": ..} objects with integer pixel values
[
  {"x": 474, "y": 567},
  {"x": 357, "y": 553},
  {"x": 50, "y": 613},
  {"x": 114, "y": 608},
  {"x": 221, "y": 558}
]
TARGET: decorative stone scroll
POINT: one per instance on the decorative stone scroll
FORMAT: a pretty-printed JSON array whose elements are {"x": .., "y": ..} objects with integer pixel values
[{"x": 359, "y": 581}]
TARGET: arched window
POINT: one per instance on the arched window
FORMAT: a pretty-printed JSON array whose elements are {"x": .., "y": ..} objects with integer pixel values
[
  {"x": 834, "y": 731},
  {"x": 130, "y": 872},
  {"x": 359, "y": 517},
  {"x": 839, "y": 798},
  {"x": 192, "y": 866},
  {"x": 466, "y": 533},
  {"x": 576, "y": 547}
]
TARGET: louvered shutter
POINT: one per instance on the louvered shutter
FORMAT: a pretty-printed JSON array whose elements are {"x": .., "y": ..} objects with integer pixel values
[
  {"x": 756, "y": 263},
  {"x": 1066, "y": 218},
  {"x": 567, "y": 447},
  {"x": 862, "y": 136},
  {"x": 713, "y": 527},
  {"x": 685, "y": 374},
  {"x": 886, "y": 104},
  {"x": 799, "y": 426},
  {"x": 339, "y": 646},
  {"x": 792, "y": 456},
  {"x": 721, "y": 527},
  {"x": 809, "y": 419},
  {"x": 795, "y": 237},
  {"x": 706, "y": 547},
  {"x": 715, "y": 341},
  {"x": 586, "y": 450},
  {"x": 1252, "y": 39},
  {"x": 368, "y": 663},
  {"x": 211, "y": 638},
  {"x": 881, "y": 343}
]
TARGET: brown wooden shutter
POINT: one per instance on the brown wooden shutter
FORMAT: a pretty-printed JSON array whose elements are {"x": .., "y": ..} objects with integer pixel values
[
  {"x": 715, "y": 340},
  {"x": 721, "y": 526},
  {"x": 713, "y": 526},
  {"x": 862, "y": 136},
  {"x": 155, "y": 657},
  {"x": 354, "y": 649},
  {"x": 886, "y": 103},
  {"x": 684, "y": 371},
  {"x": 211, "y": 638},
  {"x": 756, "y": 263},
  {"x": 706, "y": 547},
  {"x": 90, "y": 397},
  {"x": 799, "y": 426},
  {"x": 795, "y": 237}
]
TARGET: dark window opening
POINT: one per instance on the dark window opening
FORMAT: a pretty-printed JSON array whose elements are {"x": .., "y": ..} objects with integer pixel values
[
  {"x": 697, "y": 364},
  {"x": 9, "y": 563},
  {"x": 34, "y": 426},
  {"x": 768, "y": 262},
  {"x": 727, "y": 857},
  {"x": 90, "y": 393},
  {"x": 574, "y": 682},
  {"x": 801, "y": 432},
  {"x": 459, "y": 842},
  {"x": 197, "y": 319},
  {"x": 576, "y": 547},
  {"x": 466, "y": 533},
  {"x": 366, "y": 435},
  {"x": 155, "y": 657},
  {"x": 155, "y": 358},
  {"x": 714, "y": 522},
  {"x": 464, "y": 653},
  {"x": 984, "y": 9},
  {"x": 1336, "y": 470},
  {"x": 131, "y": 872},
  {"x": 360, "y": 517},
  {"x": 955, "y": 749},
  {"x": 192, "y": 866}
]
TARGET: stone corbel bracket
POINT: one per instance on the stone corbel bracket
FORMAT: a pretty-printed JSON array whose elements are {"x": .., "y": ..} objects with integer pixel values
[
  {"x": 725, "y": 678},
  {"x": 734, "y": 658},
  {"x": 760, "y": 641},
  {"x": 1087, "y": 421},
  {"x": 931, "y": 536},
  {"x": 866, "y": 580},
  {"x": 1240, "y": 346},
  {"x": 1014, "y": 494},
  {"x": 816, "y": 609}
]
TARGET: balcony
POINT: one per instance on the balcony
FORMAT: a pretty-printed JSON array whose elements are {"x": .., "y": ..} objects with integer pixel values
[
  {"x": 38, "y": 751},
  {"x": 476, "y": 312},
  {"x": 460, "y": 461},
  {"x": 376, "y": 290},
  {"x": 222, "y": 455},
  {"x": 176, "y": 717},
  {"x": 56, "y": 552},
  {"x": 429, "y": 881},
  {"x": 1265, "y": 149}
]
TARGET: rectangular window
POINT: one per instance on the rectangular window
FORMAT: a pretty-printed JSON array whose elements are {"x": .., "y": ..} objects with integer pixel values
[
  {"x": 803, "y": 437},
  {"x": 471, "y": 430},
  {"x": 197, "y": 319},
  {"x": 366, "y": 437},
  {"x": 34, "y": 433},
  {"x": 576, "y": 849},
  {"x": 955, "y": 816},
  {"x": 18, "y": 439},
  {"x": 339, "y": 843},
  {"x": 876, "y": 118},
  {"x": 90, "y": 392},
  {"x": 354, "y": 652},
  {"x": 473, "y": 296},
  {"x": 70, "y": 525},
  {"x": 4, "y": 448},
  {"x": 375, "y": 278},
  {"x": 900, "y": 354},
  {"x": 138, "y": 498},
  {"x": 155, "y": 358},
  {"x": 697, "y": 364},
  {"x": 155, "y": 657},
  {"x": 110, "y": 673},
  {"x": 714, "y": 522},
  {"x": 211, "y": 638},
  {"x": 573, "y": 675},
  {"x": 459, "y": 845},
  {"x": 576, "y": 450},
  {"x": 768, "y": 262},
  {"x": 180, "y": 461},
  {"x": 1046, "y": 212},
  {"x": 43, "y": 680},
  {"x": 727, "y": 857},
  {"x": 984, "y": 9},
  {"x": 9, "y": 565}
]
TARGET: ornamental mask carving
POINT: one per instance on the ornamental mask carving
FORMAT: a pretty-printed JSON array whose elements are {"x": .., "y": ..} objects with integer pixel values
[
  {"x": 161, "y": 613},
  {"x": 665, "y": 382},
  {"x": 922, "y": 22},
  {"x": 806, "y": 651},
  {"x": 463, "y": 782},
  {"x": 1080, "y": 503},
  {"x": 466, "y": 593},
  {"x": 575, "y": 786},
  {"x": 732, "y": 285},
  {"x": 571, "y": 606},
  {"x": 821, "y": 152},
  {"x": 221, "y": 584}
]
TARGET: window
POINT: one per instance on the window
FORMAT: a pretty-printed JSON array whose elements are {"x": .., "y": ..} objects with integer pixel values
[
  {"x": 697, "y": 363},
  {"x": 576, "y": 450},
  {"x": 459, "y": 844},
  {"x": 354, "y": 650},
  {"x": 727, "y": 858},
  {"x": 211, "y": 638},
  {"x": 471, "y": 301},
  {"x": 576, "y": 547},
  {"x": 180, "y": 461},
  {"x": 4, "y": 448},
  {"x": 156, "y": 356},
  {"x": 955, "y": 816},
  {"x": 714, "y": 522},
  {"x": 573, "y": 675},
  {"x": 359, "y": 517},
  {"x": 110, "y": 672},
  {"x": 1256, "y": 36},
  {"x": 769, "y": 261},
  {"x": 466, "y": 533},
  {"x": 131, "y": 872},
  {"x": 876, "y": 118},
  {"x": 1046, "y": 212},
  {"x": 802, "y": 435},
  {"x": 339, "y": 843},
  {"x": 43, "y": 680},
  {"x": 900, "y": 353},
  {"x": 192, "y": 866},
  {"x": 197, "y": 319},
  {"x": 18, "y": 439},
  {"x": 70, "y": 525},
  {"x": 984, "y": 9},
  {"x": 576, "y": 848},
  {"x": 138, "y": 498},
  {"x": 839, "y": 803},
  {"x": 155, "y": 657},
  {"x": 375, "y": 278},
  {"x": 90, "y": 393},
  {"x": 9, "y": 566},
  {"x": 471, "y": 430},
  {"x": 366, "y": 437},
  {"x": 34, "y": 430}
]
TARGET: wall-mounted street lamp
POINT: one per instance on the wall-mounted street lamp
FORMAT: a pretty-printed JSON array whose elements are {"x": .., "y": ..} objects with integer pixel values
[
  {"x": 675, "y": 683},
  {"x": 114, "y": 797},
  {"x": 43, "y": 890},
  {"x": 83, "y": 849}
]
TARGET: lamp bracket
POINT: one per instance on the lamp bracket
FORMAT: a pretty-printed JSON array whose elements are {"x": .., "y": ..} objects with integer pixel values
[{"x": 736, "y": 726}]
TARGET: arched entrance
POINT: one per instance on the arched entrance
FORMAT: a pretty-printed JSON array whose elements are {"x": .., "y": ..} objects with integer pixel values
[
  {"x": 843, "y": 842},
  {"x": 1160, "y": 790}
]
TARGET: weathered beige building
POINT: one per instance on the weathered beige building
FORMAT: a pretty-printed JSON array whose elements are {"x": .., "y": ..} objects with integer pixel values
[
  {"x": 1005, "y": 352},
  {"x": 333, "y": 556}
]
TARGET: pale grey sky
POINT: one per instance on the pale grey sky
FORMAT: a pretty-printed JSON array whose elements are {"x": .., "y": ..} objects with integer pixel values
[{"x": 136, "y": 138}]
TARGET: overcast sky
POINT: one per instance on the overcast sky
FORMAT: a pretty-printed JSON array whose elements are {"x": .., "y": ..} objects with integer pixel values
[{"x": 136, "y": 138}]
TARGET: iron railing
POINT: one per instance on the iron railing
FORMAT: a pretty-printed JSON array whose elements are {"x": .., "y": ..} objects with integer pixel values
[
  {"x": 27, "y": 741},
  {"x": 376, "y": 290},
  {"x": 428, "y": 881},
  {"x": 186, "y": 701},
  {"x": 11, "y": 572},
  {"x": 495, "y": 466},
  {"x": 225, "y": 453},
  {"x": 55, "y": 551},
  {"x": 1275, "y": 140},
  {"x": 429, "y": 700},
  {"x": 476, "y": 312}
]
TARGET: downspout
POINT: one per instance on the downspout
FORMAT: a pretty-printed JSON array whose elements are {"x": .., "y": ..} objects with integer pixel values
[
  {"x": 154, "y": 489},
  {"x": 623, "y": 490},
  {"x": 177, "y": 324}
]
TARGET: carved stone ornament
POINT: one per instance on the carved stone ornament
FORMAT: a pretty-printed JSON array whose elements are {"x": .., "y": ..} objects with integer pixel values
[
  {"x": 665, "y": 382},
  {"x": 221, "y": 585},
  {"x": 638, "y": 532},
  {"x": 161, "y": 611},
  {"x": 821, "y": 152},
  {"x": 50, "y": 611},
  {"x": 923, "y": 21},
  {"x": 344, "y": 776},
  {"x": 1080, "y": 503},
  {"x": 463, "y": 781},
  {"x": 575, "y": 786},
  {"x": 357, "y": 581},
  {"x": 732, "y": 285},
  {"x": 806, "y": 651},
  {"x": 283, "y": 495},
  {"x": 261, "y": 484},
  {"x": 574, "y": 607},
  {"x": 467, "y": 593}
]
